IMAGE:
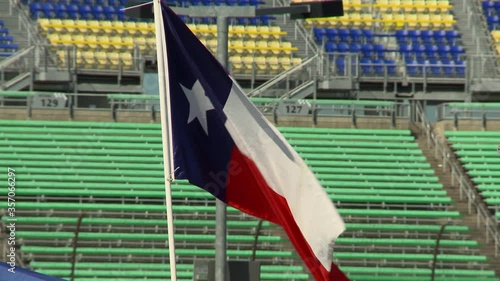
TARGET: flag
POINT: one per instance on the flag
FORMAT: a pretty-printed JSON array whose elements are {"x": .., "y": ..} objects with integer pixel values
[{"x": 223, "y": 144}]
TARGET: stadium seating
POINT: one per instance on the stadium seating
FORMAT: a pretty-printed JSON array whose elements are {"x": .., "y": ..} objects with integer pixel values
[
  {"x": 491, "y": 10},
  {"x": 392, "y": 35},
  {"x": 392, "y": 203},
  {"x": 7, "y": 46},
  {"x": 255, "y": 47},
  {"x": 477, "y": 150}
]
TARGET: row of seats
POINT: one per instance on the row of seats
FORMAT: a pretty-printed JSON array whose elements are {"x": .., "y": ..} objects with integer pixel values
[
  {"x": 115, "y": 3},
  {"x": 7, "y": 46},
  {"x": 147, "y": 45},
  {"x": 93, "y": 27},
  {"x": 73, "y": 11},
  {"x": 414, "y": 68},
  {"x": 392, "y": 234},
  {"x": 262, "y": 65},
  {"x": 450, "y": 37},
  {"x": 477, "y": 151},
  {"x": 99, "y": 60},
  {"x": 388, "y": 21},
  {"x": 216, "y": 2}
]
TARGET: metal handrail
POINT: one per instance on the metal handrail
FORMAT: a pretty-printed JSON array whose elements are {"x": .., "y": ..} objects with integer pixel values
[
  {"x": 13, "y": 58},
  {"x": 269, "y": 83},
  {"x": 459, "y": 177}
]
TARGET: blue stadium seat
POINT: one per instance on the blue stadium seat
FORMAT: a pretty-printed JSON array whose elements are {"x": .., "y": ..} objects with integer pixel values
[
  {"x": 319, "y": 33},
  {"x": 355, "y": 48},
  {"x": 332, "y": 34},
  {"x": 330, "y": 47},
  {"x": 367, "y": 50},
  {"x": 431, "y": 51},
  {"x": 378, "y": 66},
  {"x": 379, "y": 49},
  {"x": 391, "y": 67},
  {"x": 85, "y": 11},
  {"x": 460, "y": 68},
  {"x": 366, "y": 66}
]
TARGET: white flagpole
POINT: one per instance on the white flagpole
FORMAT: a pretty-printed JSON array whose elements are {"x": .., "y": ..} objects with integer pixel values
[{"x": 166, "y": 130}]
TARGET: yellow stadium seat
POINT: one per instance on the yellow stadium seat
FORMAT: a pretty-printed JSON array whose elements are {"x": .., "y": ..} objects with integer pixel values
[
  {"x": 287, "y": 47},
  {"x": 262, "y": 48},
  {"x": 263, "y": 31},
  {"x": 79, "y": 41},
  {"x": 276, "y": 31},
  {"x": 94, "y": 26},
  {"x": 251, "y": 30},
  {"x": 43, "y": 25},
  {"x": 236, "y": 63},
  {"x": 273, "y": 64},
  {"x": 237, "y": 45},
  {"x": 496, "y": 34},
  {"x": 296, "y": 61},
  {"x": 131, "y": 28},
  {"x": 126, "y": 60},
  {"x": 248, "y": 64},
  {"x": 249, "y": 46},
  {"x": 275, "y": 47},
  {"x": 56, "y": 25},
  {"x": 114, "y": 60},
  {"x": 107, "y": 27},
  {"x": 104, "y": 41},
  {"x": 79, "y": 58},
  {"x": 143, "y": 28},
  {"x": 412, "y": 20},
  {"x": 119, "y": 27},
  {"x": 69, "y": 26},
  {"x": 92, "y": 42},
  {"x": 238, "y": 31},
  {"x": 65, "y": 39},
  {"x": 81, "y": 26},
  {"x": 202, "y": 29},
  {"x": 286, "y": 62},
  {"x": 88, "y": 58},
  {"x": 260, "y": 63},
  {"x": 424, "y": 21},
  {"x": 151, "y": 42},
  {"x": 141, "y": 43},
  {"x": 101, "y": 59},
  {"x": 53, "y": 38}
]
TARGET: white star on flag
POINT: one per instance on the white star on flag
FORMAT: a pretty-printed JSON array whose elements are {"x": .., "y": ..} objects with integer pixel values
[{"x": 199, "y": 104}]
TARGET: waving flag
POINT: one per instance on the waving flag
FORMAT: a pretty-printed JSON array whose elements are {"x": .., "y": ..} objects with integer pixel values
[{"x": 224, "y": 145}]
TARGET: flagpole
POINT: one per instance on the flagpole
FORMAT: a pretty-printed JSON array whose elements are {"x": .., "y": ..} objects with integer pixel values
[
  {"x": 220, "y": 209},
  {"x": 166, "y": 130}
]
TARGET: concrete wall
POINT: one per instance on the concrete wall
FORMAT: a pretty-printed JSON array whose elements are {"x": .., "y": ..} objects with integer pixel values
[
  {"x": 96, "y": 115},
  {"x": 468, "y": 125}
]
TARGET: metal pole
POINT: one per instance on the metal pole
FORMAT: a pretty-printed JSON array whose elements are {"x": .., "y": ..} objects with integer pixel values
[
  {"x": 220, "y": 211},
  {"x": 436, "y": 249}
]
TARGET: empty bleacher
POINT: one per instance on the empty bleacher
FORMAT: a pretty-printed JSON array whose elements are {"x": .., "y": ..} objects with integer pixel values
[
  {"x": 491, "y": 10},
  {"x": 387, "y": 193},
  {"x": 7, "y": 46},
  {"x": 394, "y": 37},
  {"x": 477, "y": 151}
]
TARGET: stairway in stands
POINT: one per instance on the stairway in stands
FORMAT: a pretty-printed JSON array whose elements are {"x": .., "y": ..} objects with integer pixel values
[{"x": 459, "y": 205}]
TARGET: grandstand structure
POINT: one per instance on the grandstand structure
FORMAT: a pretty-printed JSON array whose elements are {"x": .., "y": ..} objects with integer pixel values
[{"x": 392, "y": 106}]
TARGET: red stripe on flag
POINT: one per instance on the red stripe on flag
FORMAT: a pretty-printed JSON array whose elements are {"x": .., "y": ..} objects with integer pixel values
[{"x": 249, "y": 192}]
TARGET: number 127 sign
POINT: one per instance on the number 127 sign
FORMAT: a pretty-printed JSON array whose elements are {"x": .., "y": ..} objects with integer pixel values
[{"x": 296, "y": 107}]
